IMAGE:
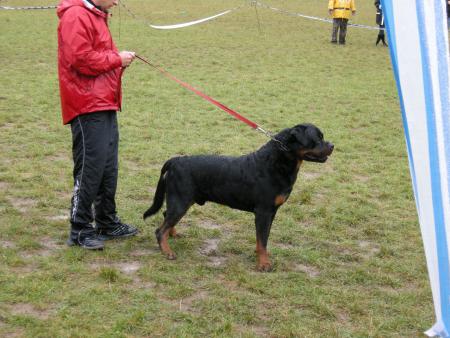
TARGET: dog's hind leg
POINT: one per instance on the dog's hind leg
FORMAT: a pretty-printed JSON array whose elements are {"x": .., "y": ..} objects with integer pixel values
[
  {"x": 263, "y": 222},
  {"x": 175, "y": 211},
  {"x": 162, "y": 235},
  {"x": 173, "y": 233}
]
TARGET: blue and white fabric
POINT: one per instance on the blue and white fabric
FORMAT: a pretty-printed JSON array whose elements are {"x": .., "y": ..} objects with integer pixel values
[{"x": 418, "y": 42}]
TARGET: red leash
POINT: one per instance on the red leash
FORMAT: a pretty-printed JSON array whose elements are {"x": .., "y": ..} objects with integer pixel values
[
  {"x": 199, "y": 93},
  {"x": 214, "y": 102}
]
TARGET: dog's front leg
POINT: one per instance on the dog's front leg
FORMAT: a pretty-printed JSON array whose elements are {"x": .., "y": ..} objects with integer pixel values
[{"x": 263, "y": 222}]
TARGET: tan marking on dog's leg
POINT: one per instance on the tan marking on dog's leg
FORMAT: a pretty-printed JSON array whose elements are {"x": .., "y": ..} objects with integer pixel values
[
  {"x": 173, "y": 232},
  {"x": 164, "y": 246},
  {"x": 299, "y": 163},
  {"x": 263, "y": 258},
  {"x": 258, "y": 246}
]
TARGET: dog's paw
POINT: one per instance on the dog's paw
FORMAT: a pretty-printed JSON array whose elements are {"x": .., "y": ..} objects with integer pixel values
[
  {"x": 265, "y": 267},
  {"x": 170, "y": 255}
]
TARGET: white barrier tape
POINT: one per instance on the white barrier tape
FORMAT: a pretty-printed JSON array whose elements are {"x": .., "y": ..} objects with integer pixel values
[
  {"x": 180, "y": 25},
  {"x": 187, "y": 24},
  {"x": 191, "y": 23},
  {"x": 24, "y": 8},
  {"x": 311, "y": 17}
]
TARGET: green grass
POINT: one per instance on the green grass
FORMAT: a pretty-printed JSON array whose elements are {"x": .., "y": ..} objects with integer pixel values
[{"x": 346, "y": 247}]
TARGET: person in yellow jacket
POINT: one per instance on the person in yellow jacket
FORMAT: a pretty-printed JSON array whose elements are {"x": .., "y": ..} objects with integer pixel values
[{"x": 340, "y": 10}]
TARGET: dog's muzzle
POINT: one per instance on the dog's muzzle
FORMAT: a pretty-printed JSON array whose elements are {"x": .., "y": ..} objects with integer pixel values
[{"x": 320, "y": 155}]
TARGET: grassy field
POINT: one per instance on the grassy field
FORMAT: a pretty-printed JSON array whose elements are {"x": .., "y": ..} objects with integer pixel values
[{"x": 346, "y": 247}]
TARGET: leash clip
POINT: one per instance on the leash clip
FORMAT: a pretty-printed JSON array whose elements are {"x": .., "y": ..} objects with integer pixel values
[{"x": 270, "y": 135}]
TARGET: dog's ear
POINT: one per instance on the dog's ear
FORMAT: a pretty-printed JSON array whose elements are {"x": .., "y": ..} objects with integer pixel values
[{"x": 298, "y": 136}]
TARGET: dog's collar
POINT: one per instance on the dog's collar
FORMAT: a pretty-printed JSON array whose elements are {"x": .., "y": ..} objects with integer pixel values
[{"x": 280, "y": 144}]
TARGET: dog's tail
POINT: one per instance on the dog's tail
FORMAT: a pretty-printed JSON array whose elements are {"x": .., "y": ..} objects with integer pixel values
[{"x": 158, "y": 200}]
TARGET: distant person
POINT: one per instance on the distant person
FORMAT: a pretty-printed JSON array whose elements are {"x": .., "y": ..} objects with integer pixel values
[
  {"x": 340, "y": 10},
  {"x": 90, "y": 69},
  {"x": 380, "y": 22}
]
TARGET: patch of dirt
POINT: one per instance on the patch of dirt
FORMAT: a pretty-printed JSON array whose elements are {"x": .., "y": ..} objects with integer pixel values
[
  {"x": 50, "y": 245},
  {"x": 312, "y": 272},
  {"x": 98, "y": 266},
  {"x": 370, "y": 249},
  {"x": 361, "y": 178},
  {"x": 7, "y": 244},
  {"x": 16, "y": 334},
  {"x": 286, "y": 246},
  {"x": 59, "y": 157},
  {"x": 140, "y": 284},
  {"x": 8, "y": 126},
  {"x": 209, "y": 247},
  {"x": 128, "y": 268},
  {"x": 27, "y": 175},
  {"x": 207, "y": 224},
  {"x": 143, "y": 252},
  {"x": 258, "y": 331},
  {"x": 154, "y": 166},
  {"x": 306, "y": 224},
  {"x": 343, "y": 317},
  {"x": 134, "y": 166},
  {"x": 310, "y": 175},
  {"x": 4, "y": 185},
  {"x": 22, "y": 204},
  {"x": 65, "y": 195},
  {"x": 186, "y": 304},
  {"x": 25, "y": 309},
  {"x": 217, "y": 261},
  {"x": 23, "y": 270},
  {"x": 59, "y": 217}
]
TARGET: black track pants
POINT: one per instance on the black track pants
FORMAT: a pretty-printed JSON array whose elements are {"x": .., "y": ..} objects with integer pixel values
[{"x": 95, "y": 141}]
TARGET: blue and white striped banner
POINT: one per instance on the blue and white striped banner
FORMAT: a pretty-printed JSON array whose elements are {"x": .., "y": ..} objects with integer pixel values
[{"x": 418, "y": 42}]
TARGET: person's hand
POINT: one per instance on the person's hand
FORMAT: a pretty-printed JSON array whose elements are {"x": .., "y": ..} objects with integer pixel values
[
  {"x": 353, "y": 12},
  {"x": 330, "y": 11},
  {"x": 127, "y": 58}
]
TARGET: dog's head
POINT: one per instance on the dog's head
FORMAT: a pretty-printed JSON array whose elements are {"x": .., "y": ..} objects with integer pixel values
[{"x": 307, "y": 143}]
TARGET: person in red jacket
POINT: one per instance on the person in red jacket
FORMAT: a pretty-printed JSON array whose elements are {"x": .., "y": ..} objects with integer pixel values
[{"x": 90, "y": 69}]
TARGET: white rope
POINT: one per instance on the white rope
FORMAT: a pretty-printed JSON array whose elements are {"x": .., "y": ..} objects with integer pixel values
[
  {"x": 25, "y": 8},
  {"x": 180, "y": 25},
  {"x": 311, "y": 17},
  {"x": 191, "y": 23}
]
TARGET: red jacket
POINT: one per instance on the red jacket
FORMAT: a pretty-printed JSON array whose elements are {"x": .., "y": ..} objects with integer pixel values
[{"x": 89, "y": 65}]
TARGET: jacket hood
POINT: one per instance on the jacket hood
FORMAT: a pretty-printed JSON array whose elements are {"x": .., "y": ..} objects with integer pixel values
[{"x": 64, "y": 5}]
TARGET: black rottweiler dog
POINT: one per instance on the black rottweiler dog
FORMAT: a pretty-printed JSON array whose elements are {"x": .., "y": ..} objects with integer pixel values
[{"x": 259, "y": 182}]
